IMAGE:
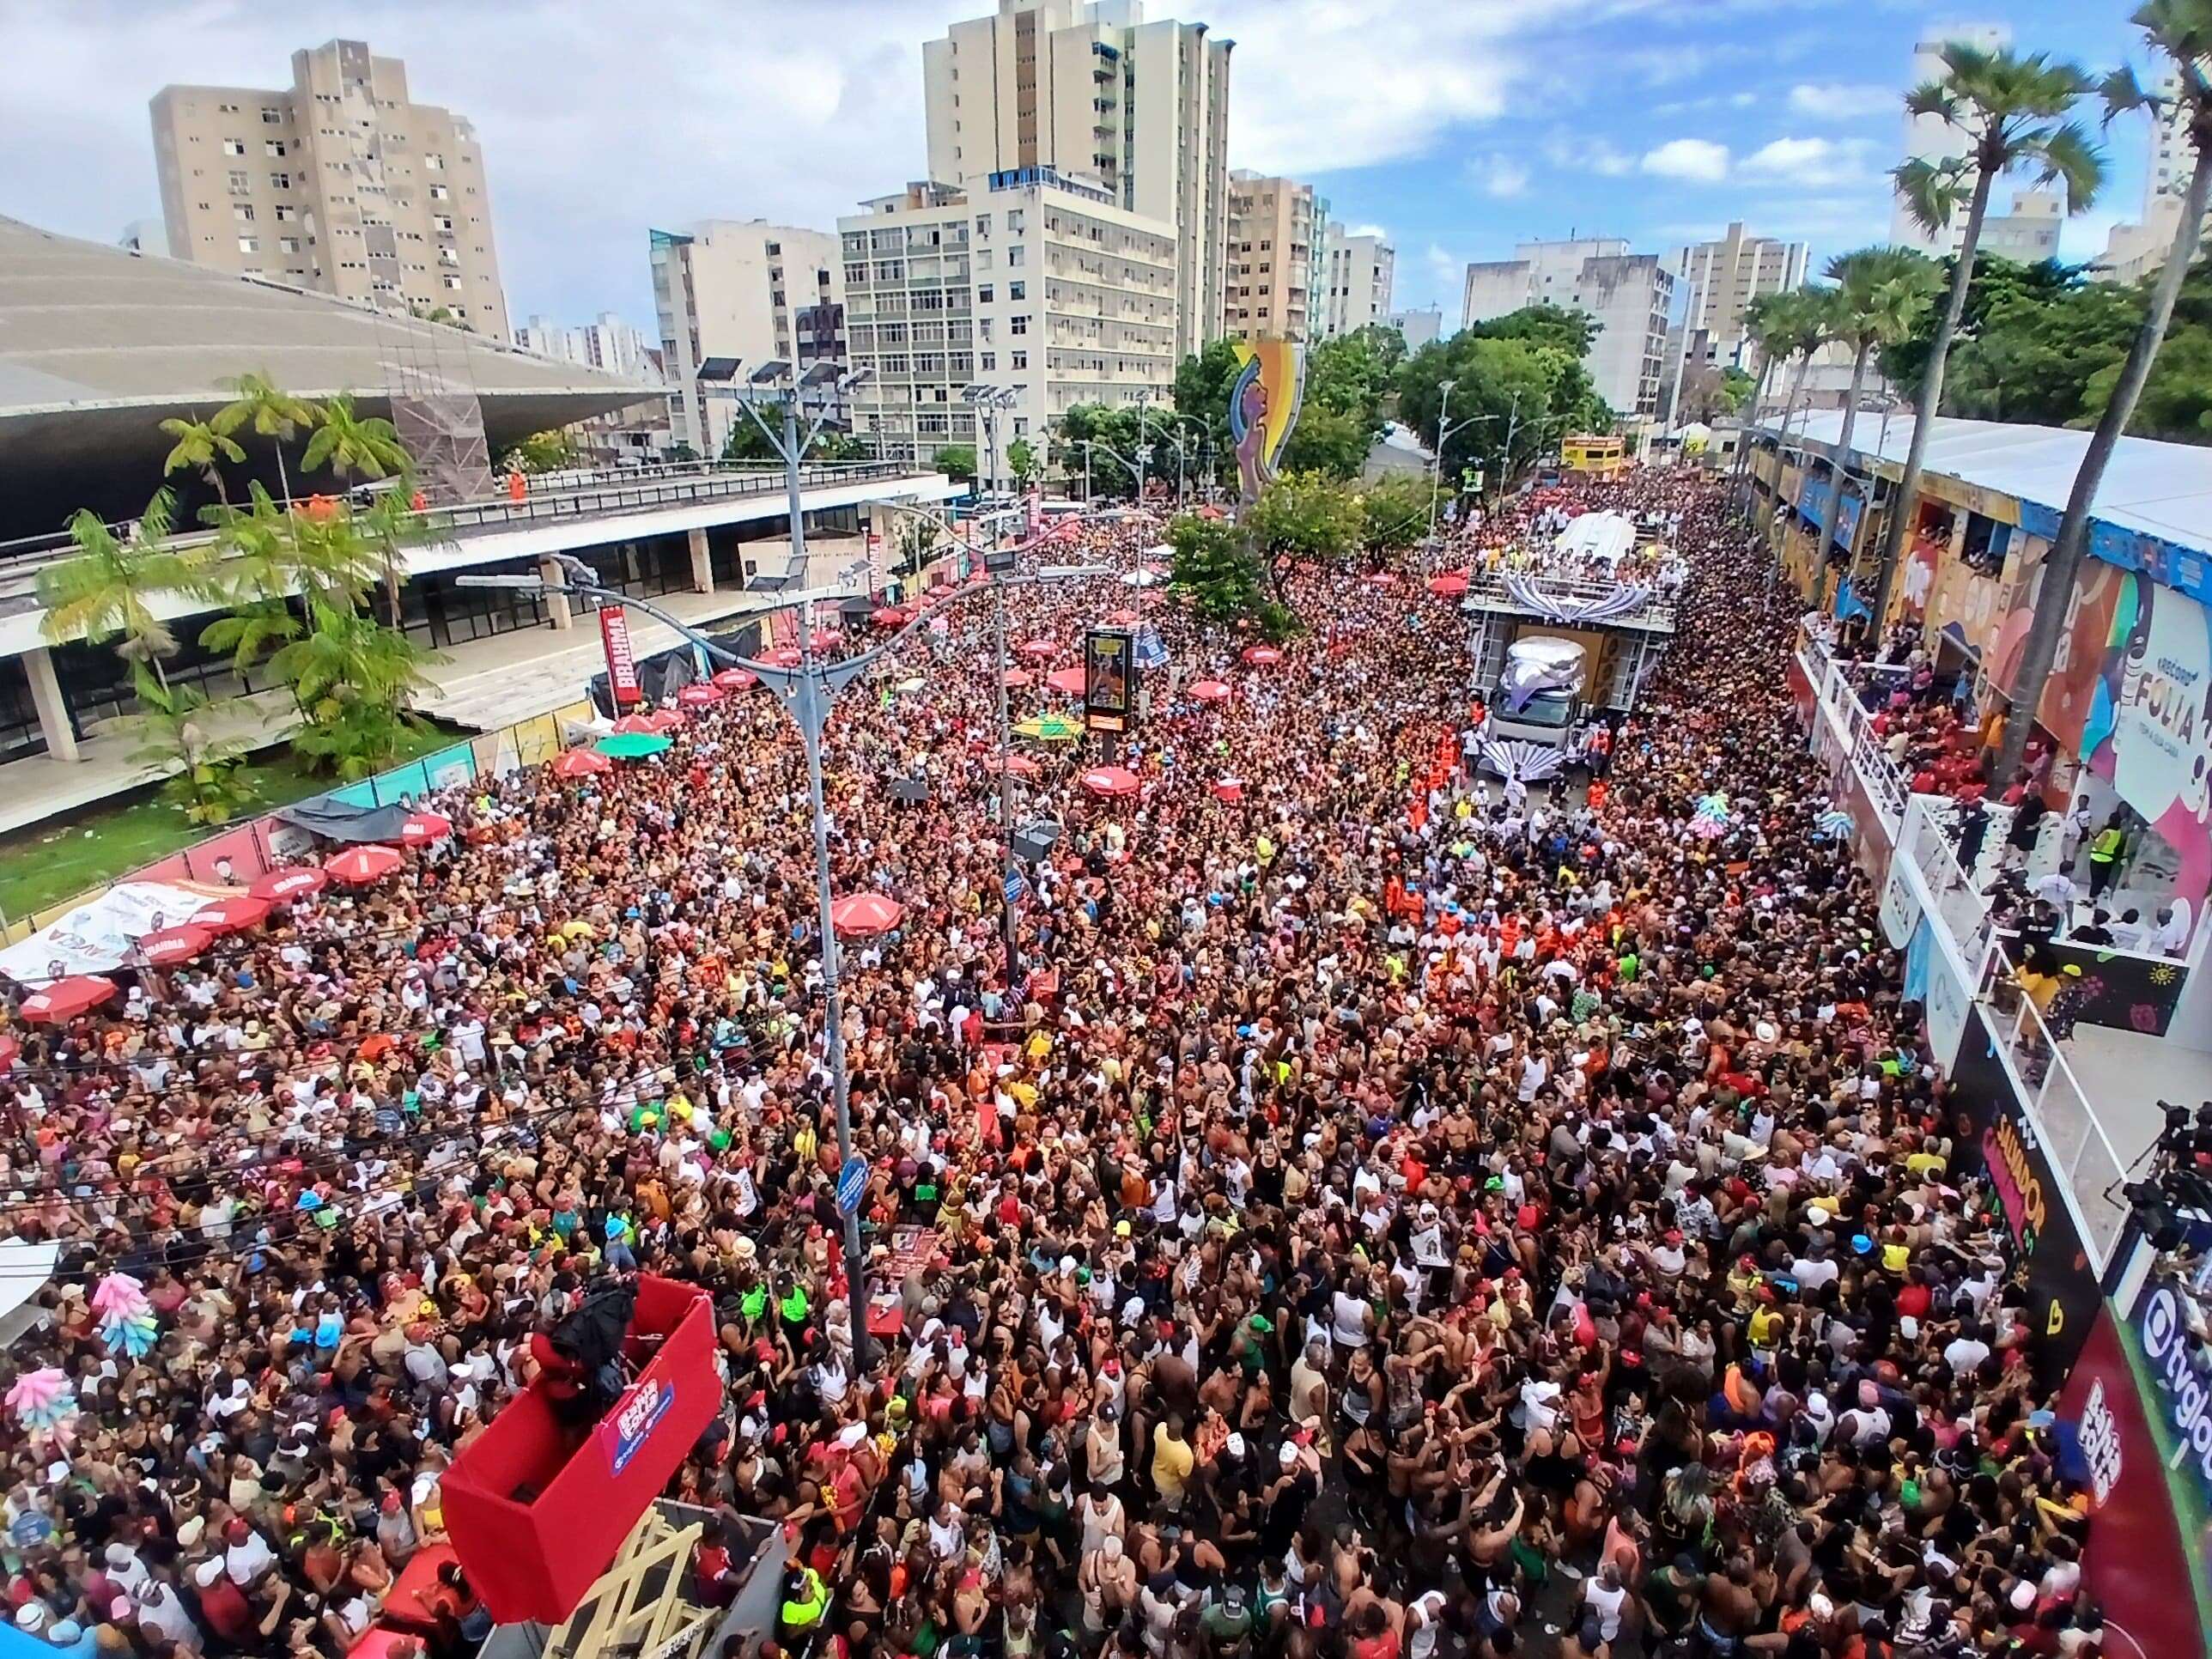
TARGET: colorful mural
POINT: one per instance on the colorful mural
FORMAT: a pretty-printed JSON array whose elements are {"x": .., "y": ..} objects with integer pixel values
[{"x": 1263, "y": 408}]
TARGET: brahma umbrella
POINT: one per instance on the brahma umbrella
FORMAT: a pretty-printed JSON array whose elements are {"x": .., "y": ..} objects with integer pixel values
[
  {"x": 1210, "y": 691},
  {"x": 1229, "y": 789},
  {"x": 862, "y": 915},
  {"x": 703, "y": 694},
  {"x": 632, "y": 745},
  {"x": 65, "y": 998},
  {"x": 785, "y": 656},
  {"x": 1069, "y": 680},
  {"x": 1262, "y": 656},
  {"x": 171, "y": 946},
  {"x": 1016, "y": 678},
  {"x": 580, "y": 763},
  {"x": 888, "y": 615},
  {"x": 1109, "y": 781},
  {"x": 1039, "y": 650},
  {"x": 1449, "y": 586},
  {"x": 825, "y": 639},
  {"x": 639, "y": 724},
  {"x": 421, "y": 829},
  {"x": 1020, "y": 765},
  {"x": 1123, "y": 618},
  {"x": 735, "y": 679},
  {"x": 232, "y": 915},
  {"x": 357, "y": 867},
  {"x": 662, "y": 721},
  {"x": 282, "y": 886}
]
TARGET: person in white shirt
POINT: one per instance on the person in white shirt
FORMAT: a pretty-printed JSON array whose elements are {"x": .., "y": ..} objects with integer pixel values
[{"x": 2174, "y": 918}]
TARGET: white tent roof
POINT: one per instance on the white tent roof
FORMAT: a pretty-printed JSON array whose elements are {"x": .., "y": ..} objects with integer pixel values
[{"x": 1607, "y": 536}]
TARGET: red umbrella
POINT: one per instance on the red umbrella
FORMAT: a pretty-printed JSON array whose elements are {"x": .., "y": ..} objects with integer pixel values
[
  {"x": 171, "y": 945},
  {"x": 1039, "y": 650},
  {"x": 1210, "y": 691},
  {"x": 825, "y": 639},
  {"x": 232, "y": 915},
  {"x": 1262, "y": 656},
  {"x": 581, "y": 763},
  {"x": 1123, "y": 618},
  {"x": 282, "y": 886},
  {"x": 735, "y": 679},
  {"x": 702, "y": 696},
  {"x": 421, "y": 829},
  {"x": 357, "y": 867},
  {"x": 641, "y": 724},
  {"x": 661, "y": 722},
  {"x": 859, "y": 916},
  {"x": 1017, "y": 677},
  {"x": 1229, "y": 789},
  {"x": 1381, "y": 579},
  {"x": 785, "y": 656},
  {"x": 65, "y": 998},
  {"x": 1110, "y": 781},
  {"x": 1069, "y": 680},
  {"x": 1020, "y": 765},
  {"x": 1449, "y": 586},
  {"x": 888, "y": 615},
  {"x": 8, "y": 1050}
]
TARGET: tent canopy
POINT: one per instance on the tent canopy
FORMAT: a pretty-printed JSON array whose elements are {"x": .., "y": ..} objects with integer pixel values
[{"x": 335, "y": 820}]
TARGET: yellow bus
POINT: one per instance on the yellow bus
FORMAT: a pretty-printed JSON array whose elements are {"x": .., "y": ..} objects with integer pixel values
[{"x": 1594, "y": 452}]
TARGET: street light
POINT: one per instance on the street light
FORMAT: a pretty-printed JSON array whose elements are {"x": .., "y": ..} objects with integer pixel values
[{"x": 987, "y": 401}]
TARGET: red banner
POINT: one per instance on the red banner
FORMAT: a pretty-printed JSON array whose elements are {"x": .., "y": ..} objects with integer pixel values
[{"x": 621, "y": 665}]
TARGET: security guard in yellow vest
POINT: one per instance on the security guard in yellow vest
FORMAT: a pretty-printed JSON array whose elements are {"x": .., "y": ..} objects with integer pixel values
[
  {"x": 805, "y": 1599},
  {"x": 2106, "y": 851}
]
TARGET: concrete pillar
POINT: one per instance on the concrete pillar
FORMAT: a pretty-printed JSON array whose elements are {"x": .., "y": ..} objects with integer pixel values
[
  {"x": 556, "y": 605},
  {"x": 703, "y": 563},
  {"x": 52, "y": 710}
]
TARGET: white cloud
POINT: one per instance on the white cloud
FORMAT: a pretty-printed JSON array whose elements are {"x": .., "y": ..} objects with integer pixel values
[
  {"x": 1576, "y": 151},
  {"x": 1382, "y": 233},
  {"x": 1499, "y": 176},
  {"x": 1836, "y": 101},
  {"x": 1809, "y": 161},
  {"x": 1698, "y": 160}
]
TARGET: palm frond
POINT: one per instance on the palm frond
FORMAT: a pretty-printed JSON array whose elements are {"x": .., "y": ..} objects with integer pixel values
[
  {"x": 1931, "y": 191},
  {"x": 2067, "y": 155}
]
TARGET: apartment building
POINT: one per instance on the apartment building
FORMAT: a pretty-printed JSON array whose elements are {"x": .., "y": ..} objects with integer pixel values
[
  {"x": 1931, "y": 138},
  {"x": 1361, "y": 272},
  {"x": 341, "y": 183},
  {"x": 734, "y": 289},
  {"x": 1630, "y": 296},
  {"x": 1024, "y": 280},
  {"x": 1275, "y": 227},
  {"x": 1724, "y": 275},
  {"x": 1419, "y": 328},
  {"x": 1090, "y": 88},
  {"x": 608, "y": 342}
]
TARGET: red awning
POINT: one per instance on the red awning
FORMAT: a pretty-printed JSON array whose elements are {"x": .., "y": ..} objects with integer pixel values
[
  {"x": 232, "y": 915},
  {"x": 702, "y": 695},
  {"x": 581, "y": 763},
  {"x": 421, "y": 829},
  {"x": 357, "y": 867},
  {"x": 1110, "y": 781},
  {"x": 171, "y": 946},
  {"x": 282, "y": 886}
]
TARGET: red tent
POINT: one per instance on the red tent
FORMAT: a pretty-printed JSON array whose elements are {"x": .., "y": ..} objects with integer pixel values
[
  {"x": 581, "y": 763},
  {"x": 1039, "y": 650},
  {"x": 1229, "y": 789},
  {"x": 1262, "y": 656},
  {"x": 1110, "y": 781},
  {"x": 1449, "y": 586},
  {"x": 785, "y": 656},
  {"x": 1019, "y": 678},
  {"x": 1069, "y": 680},
  {"x": 640, "y": 724},
  {"x": 703, "y": 694},
  {"x": 421, "y": 829},
  {"x": 282, "y": 886},
  {"x": 171, "y": 946},
  {"x": 1020, "y": 765},
  {"x": 735, "y": 679},
  {"x": 1210, "y": 691},
  {"x": 232, "y": 915},
  {"x": 860, "y": 916},
  {"x": 65, "y": 998},
  {"x": 357, "y": 867}
]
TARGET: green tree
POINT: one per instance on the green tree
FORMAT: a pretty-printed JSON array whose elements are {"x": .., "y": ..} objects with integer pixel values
[
  {"x": 1303, "y": 517},
  {"x": 1570, "y": 331},
  {"x": 2181, "y": 31},
  {"x": 1348, "y": 375},
  {"x": 1214, "y": 570},
  {"x": 1201, "y": 391},
  {"x": 957, "y": 462},
  {"x": 1393, "y": 513},
  {"x": 1800, "y": 324},
  {"x": 350, "y": 677},
  {"x": 1763, "y": 323},
  {"x": 1735, "y": 388},
  {"x": 353, "y": 445},
  {"x": 258, "y": 403},
  {"x": 1329, "y": 441},
  {"x": 108, "y": 586},
  {"x": 202, "y": 446},
  {"x": 1510, "y": 400},
  {"x": 551, "y": 451},
  {"x": 1021, "y": 462},
  {"x": 391, "y": 525},
  {"x": 832, "y": 444},
  {"x": 204, "y": 779},
  {"x": 2012, "y": 110},
  {"x": 1879, "y": 294},
  {"x": 264, "y": 556}
]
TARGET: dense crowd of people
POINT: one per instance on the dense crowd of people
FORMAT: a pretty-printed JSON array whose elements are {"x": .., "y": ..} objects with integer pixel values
[{"x": 1384, "y": 1220}]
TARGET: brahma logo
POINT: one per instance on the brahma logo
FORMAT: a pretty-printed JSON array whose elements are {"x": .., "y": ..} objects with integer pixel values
[
  {"x": 636, "y": 1417},
  {"x": 2172, "y": 1351},
  {"x": 2101, "y": 1442}
]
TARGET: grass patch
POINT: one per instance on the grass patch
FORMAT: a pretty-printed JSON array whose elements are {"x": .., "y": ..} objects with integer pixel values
[{"x": 47, "y": 862}]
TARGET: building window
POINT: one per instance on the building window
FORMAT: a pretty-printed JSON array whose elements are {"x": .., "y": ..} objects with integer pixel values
[
  {"x": 1021, "y": 360},
  {"x": 1019, "y": 325},
  {"x": 1018, "y": 254},
  {"x": 288, "y": 245},
  {"x": 271, "y": 117},
  {"x": 1017, "y": 290},
  {"x": 284, "y": 214},
  {"x": 249, "y": 245},
  {"x": 434, "y": 162},
  {"x": 233, "y": 147},
  {"x": 272, "y": 146},
  {"x": 983, "y": 293},
  {"x": 237, "y": 183},
  {"x": 242, "y": 212},
  {"x": 280, "y": 181},
  {"x": 988, "y": 361}
]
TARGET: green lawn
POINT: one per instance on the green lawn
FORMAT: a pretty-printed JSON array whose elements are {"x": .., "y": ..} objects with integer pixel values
[{"x": 57, "y": 859}]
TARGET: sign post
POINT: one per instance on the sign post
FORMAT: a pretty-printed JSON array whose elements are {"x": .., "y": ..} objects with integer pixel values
[
  {"x": 852, "y": 1182},
  {"x": 1108, "y": 656}
]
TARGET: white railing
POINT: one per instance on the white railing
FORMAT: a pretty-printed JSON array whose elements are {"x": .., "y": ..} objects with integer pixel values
[
  {"x": 1840, "y": 696},
  {"x": 1959, "y": 906}
]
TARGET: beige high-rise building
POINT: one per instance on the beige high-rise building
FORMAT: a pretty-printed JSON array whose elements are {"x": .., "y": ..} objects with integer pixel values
[
  {"x": 1362, "y": 270},
  {"x": 1931, "y": 138},
  {"x": 1724, "y": 275},
  {"x": 1269, "y": 284},
  {"x": 339, "y": 183},
  {"x": 733, "y": 288},
  {"x": 1089, "y": 89}
]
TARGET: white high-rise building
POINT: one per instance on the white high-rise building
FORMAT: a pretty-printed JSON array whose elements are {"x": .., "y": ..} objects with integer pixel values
[
  {"x": 1043, "y": 288},
  {"x": 1420, "y": 328},
  {"x": 1723, "y": 277},
  {"x": 610, "y": 343},
  {"x": 2135, "y": 251},
  {"x": 1361, "y": 272},
  {"x": 1089, "y": 87},
  {"x": 732, "y": 288},
  {"x": 1631, "y": 297},
  {"x": 1931, "y": 138}
]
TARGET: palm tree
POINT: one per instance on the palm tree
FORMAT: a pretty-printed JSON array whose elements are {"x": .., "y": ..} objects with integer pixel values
[
  {"x": 392, "y": 523},
  {"x": 200, "y": 445},
  {"x": 109, "y": 585},
  {"x": 1763, "y": 321},
  {"x": 273, "y": 413},
  {"x": 2012, "y": 111},
  {"x": 349, "y": 443},
  {"x": 1881, "y": 293},
  {"x": 2182, "y": 31}
]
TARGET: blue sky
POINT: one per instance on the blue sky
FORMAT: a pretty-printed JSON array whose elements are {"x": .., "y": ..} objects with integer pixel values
[{"x": 1458, "y": 126}]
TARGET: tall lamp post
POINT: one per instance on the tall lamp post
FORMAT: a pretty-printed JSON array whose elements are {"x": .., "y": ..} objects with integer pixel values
[{"x": 987, "y": 401}]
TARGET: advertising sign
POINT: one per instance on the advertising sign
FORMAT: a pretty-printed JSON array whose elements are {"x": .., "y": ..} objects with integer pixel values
[
  {"x": 624, "y": 1431},
  {"x": 1263, "y": 408},
  {"x": 1108, "y": 672},
  {"x": 621, "y": 663}
]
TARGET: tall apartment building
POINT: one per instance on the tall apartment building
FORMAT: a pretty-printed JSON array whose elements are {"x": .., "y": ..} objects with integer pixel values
[
  {"x": 1931, "y": 138},
  {"x": 1419, "y": 328},
  {"x": 1361, "y": 270},
  {"x": 1024, "y": 280},
  {"x": 2133, "y": 252},
  {"x": 1274, "y": 226},
  {"x": 733, "y": 288},
  {"x": 1723, "y": 277},
  {"x": 2029, "y": 232},
  {"x": 610, "y": 343},
  {"x": 340, "y": 183},
  {"x": 1631, "y": 297},
  {"x": 1090, "y": 87}
]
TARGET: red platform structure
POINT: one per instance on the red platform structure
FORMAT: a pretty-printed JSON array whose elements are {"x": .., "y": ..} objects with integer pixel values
[{"x": 536, "y": 1510}]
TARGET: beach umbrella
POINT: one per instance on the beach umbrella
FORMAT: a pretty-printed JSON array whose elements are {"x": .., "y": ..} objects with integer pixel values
[
  {"x": 10, "y": 1048},
  {"x": 1229, "y": 789},
  {"x": 1016, "y": 678},
  {"x": 662, "y": 721},
  {"x": 1069, "y": 680},
  {"x": 1262, "y": 656},
  {"x": 632, "y": 745},
  {"x": 282, "y": 886},
  {"x": 735, "y": 679},
  {"x": 862, "y": 915},
  {"x": 1449, "y": 586},
  {"x": 703, "y": 694},
  {"x": 171, "y": 946},
  {"x": 1381, "y": 579},
  {"x": 1110, "y": 781},
  {"x": 357, "y": 867},
  {"x": 1145, "y": 578},
  {"x": 65, "y": 998},
  {"x": 888, "y": 615},
  {"x": 1020, "y": 765},
  {"x": 231, "y": 915},
  {"x": 1049, "y": 728},
  {"x": 785, "y": 656},
  {"x": 1210, "y": 691},
  {"x": 1039, "y": 650},
  {"x": 641, "y": 723},
  {"x": 421, "y": 829},
  {"x": 825, "y": 639},
  {"x": 580, "y": 763}
]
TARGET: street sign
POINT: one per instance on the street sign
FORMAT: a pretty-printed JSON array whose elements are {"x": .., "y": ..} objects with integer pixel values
[
  {"x": 1016, "y": 887},
  {"x": 852, "y": 1182}
]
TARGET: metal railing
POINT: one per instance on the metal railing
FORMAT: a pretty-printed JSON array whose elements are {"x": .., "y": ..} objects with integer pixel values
[
  {"x": 1960, "y": 908},
  {"x": 1841, "y": 691}
]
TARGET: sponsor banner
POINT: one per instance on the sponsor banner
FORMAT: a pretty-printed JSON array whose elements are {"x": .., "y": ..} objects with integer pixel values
[
  {"x": 1943, "y": 997},
  {"x": 102, "y": 933},
  {"x": 624, "y": 1432},
  {"x": 2116, "y": 988},
  {"x": 622, "y": 661},
  {"x": 2178, "y": 1392},
  {"x": 1107, "y": 672},
  {"x": 1900, "y": 910}
]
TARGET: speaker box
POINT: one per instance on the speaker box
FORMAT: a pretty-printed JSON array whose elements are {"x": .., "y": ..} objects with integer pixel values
[{"x": 1034, "y": 841}]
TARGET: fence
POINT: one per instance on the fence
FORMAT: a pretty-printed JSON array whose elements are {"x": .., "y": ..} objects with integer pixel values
[{"x": 247, "y": 850}]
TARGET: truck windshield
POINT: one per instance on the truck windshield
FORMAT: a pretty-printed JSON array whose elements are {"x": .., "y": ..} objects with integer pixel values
[{"x": 1551, "y": 708}]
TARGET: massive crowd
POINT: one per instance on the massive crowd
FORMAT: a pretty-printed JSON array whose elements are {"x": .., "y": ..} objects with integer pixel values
[{"x": 1385, "y": 1221}]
